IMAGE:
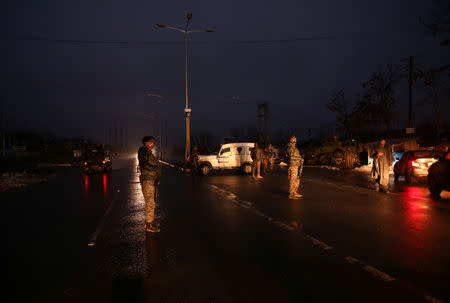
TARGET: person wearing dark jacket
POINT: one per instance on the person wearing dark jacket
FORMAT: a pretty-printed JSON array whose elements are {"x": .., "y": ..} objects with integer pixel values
[
  {"x": 150, "y": 174},
  {"x": 382, "y": 162}
]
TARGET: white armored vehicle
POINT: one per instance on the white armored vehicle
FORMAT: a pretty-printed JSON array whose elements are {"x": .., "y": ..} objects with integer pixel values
[{"x": 229, "y": 156}]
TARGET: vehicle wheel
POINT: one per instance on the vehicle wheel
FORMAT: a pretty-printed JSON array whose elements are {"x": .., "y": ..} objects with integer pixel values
[
  {"x": 338, "y": 161},
  {"x": 396, "y": 177},
  {"x": 205, "y": 169},
  {"x": 338, "y": 153},
  {"x": 246, "y": 169},
  {"x": 408, "y": 178},
  {"x": 323, "y": 160},
  {"x": 433, "y": 186}
]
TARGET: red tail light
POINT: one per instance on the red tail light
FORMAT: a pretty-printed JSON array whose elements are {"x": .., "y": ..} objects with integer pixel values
[
  {"x": 415, "y": 164},
  {"x": 103, "y": 161},
  {"x": 85, "y": 163}
]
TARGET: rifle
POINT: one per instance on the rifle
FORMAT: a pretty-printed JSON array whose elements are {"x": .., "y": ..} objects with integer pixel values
[
  {"x": 171, "y": 165},
  {"x": 300, "y": 169}
]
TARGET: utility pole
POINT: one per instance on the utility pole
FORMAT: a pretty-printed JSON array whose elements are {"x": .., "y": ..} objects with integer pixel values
[
  {"x": 410, "y": 82},
  {"x": 187, "y": 109},
  {"x": 263, "y": 122}
]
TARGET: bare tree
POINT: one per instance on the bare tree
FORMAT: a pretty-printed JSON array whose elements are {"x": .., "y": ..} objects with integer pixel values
[
  {"x": 432, "y": 86},
  {"x": 339, "y": 105},
  {"x": 379, "y": 97},
  {"x": 437, "y": 23}
]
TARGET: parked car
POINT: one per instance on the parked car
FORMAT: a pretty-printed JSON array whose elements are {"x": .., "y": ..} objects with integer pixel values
[
  {"x": 414, "y": 164},
  {"x": 97, "y": 160},
  {"x": 439, "y": 176},
  {"x": 229, "y": 156}
]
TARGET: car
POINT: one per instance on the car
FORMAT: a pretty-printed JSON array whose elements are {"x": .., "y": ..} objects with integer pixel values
[
  {"x": 97, "y": 160},
  {"x": 229, "y": 156},
  {"x": 414, "y": 164},
  {"x": 439, "y": 176}
]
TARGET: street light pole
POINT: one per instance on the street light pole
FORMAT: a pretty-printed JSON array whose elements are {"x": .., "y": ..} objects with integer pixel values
[{"x": 187, "y": 110}]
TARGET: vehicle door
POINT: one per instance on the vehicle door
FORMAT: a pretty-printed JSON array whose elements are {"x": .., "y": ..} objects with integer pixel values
[{"x": 225, "y": 157}]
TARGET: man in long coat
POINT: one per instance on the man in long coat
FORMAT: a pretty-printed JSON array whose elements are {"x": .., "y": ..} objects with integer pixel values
[{"x": 382, "y": 162}]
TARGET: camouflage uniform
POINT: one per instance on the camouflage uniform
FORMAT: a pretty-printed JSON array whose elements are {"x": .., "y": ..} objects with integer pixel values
[
  {"x": 149, "y": 178},
  {"x": 257, "y": 155},
  {"x": 295, "y": 161}
]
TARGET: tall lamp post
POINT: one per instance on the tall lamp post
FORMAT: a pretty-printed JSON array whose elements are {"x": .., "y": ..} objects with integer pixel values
[{"x": 187, "y": 109}]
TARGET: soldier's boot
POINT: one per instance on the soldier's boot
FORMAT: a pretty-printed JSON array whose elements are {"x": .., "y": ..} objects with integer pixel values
[
  {"x": 298, "y": 195},
  {"x": 152, "y": 228},
  {"x": 293, "y": 196},
  {"x": 384, "y": 189},
  {"x": 377, "y": 187}
]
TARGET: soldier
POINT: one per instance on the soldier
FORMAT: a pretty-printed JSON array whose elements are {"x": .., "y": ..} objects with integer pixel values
[
  {"x": 149, "y": 178},
  {"x": 256, "y": 154},
  {"x": 382, "y": 162},
  {"x": 194, "y": 163},
  {"x": 295, "y": 162}
]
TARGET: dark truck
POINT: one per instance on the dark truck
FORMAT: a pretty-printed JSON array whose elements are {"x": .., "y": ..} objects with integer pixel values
[{"x": 97, "y": 160}]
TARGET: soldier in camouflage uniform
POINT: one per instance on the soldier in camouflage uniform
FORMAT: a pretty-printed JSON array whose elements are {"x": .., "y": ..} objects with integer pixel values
[
  {"x": 295, "y": 162},
  {"x": 149, "y": 178}
]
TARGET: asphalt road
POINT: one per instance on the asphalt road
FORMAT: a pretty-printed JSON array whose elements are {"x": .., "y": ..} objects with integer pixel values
[{"x": 226, "y": 238}]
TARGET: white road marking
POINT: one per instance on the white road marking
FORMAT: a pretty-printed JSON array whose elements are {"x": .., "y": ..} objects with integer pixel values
[
  {"x": 101, "y": 223},
  {"x": 319, "y": 243},
  {"x": 374, "y": 271},
  {"x": 366, "y": 267},
  {"x": 247, "y": 204}
]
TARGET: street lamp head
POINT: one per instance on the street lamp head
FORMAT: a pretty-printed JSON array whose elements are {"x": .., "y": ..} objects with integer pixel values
[
  {"x": 161, "y": 25},
  {"x": 209, "y": 31}
]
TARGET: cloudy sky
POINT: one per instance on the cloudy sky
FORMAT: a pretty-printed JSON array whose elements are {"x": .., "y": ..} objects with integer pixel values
[{"x": 77, "y": 67}]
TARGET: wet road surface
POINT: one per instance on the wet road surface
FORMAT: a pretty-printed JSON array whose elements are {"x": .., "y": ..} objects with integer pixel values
[{"x": 226, "y": 239}]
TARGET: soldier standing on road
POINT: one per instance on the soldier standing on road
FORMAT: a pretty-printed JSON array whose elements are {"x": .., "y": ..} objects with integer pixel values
[
  {"x": 295, "y": 162},
  {"x": 194, "y": 163},
  {"x": 256, "y": 154},
  {"x": 149, "y": 178},
  {"x": 382, "y": 162}
]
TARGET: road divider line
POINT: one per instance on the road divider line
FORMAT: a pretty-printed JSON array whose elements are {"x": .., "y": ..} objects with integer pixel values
[
  {"x": 292, "y": 226},
  {"x": 374, "y": 271},
  {"x": 298, "y": 229},
  {"x": 319, "y": 243},
  {"x": 101, "y": 223}
]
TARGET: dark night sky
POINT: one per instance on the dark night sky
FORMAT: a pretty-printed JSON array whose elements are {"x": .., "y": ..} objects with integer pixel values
[{"x": 74, "y": 67}]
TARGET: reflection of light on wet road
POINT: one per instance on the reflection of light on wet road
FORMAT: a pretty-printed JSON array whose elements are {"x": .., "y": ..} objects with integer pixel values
[
  {"x": 416, "y": 207},
  {"x": 416, "y": 211},
  {"x": 136, "y": 197},
  {"x": 86, "y": 185},
  {"x": 105, "y": 184}
]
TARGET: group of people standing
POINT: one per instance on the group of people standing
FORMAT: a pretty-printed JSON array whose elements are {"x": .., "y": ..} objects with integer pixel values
[
  {"x": 295, "y": 164},
  {"x": 150, "y": 170}
]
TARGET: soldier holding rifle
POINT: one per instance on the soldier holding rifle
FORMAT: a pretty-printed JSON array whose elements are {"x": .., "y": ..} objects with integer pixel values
[{"x": 295, "y": 167}]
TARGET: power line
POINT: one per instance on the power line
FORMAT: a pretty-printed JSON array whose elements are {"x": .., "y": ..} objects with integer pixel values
[{"x": 124, "y": 43}]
